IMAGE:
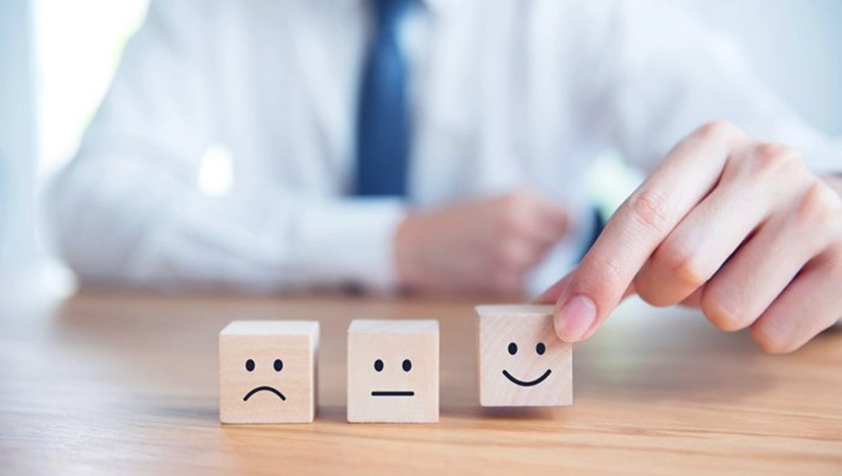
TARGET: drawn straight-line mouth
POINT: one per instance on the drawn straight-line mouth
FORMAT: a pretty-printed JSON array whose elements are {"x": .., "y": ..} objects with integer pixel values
[
  {"x": 264, "y": 388},
  {"x": 530, "y": 383},
  {"x": 392, "y": 393}
]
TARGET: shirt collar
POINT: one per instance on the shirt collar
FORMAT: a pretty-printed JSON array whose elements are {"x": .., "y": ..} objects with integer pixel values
[
  {"x": 437, "y": 6},
  {"x": 433, "y": 6}
]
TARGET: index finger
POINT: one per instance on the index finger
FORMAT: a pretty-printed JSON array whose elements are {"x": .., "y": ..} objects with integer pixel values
[{"x": 688, "y": 173}]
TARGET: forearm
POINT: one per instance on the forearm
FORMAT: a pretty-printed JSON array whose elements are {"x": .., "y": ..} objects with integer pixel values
[{"x": 156, "y": 231}]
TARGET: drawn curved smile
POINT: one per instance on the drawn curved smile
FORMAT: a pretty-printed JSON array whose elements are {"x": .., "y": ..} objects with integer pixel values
[
  {"x": 531, "y": 383},
  {"x": 264, "y": 388}
]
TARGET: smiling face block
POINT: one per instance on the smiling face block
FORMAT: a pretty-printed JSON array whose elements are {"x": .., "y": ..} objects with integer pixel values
[
  {"x": 393, "y": 371},
  {"x": 521, "y": 360},
  {"x": 267, "y": 371}
]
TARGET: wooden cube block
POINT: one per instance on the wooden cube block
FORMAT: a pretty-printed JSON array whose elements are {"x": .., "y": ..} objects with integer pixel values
[
  {"x": 521, "y": 360},
  {"x": 267, "y": 371},
  {"x": 393, "y": 371}
]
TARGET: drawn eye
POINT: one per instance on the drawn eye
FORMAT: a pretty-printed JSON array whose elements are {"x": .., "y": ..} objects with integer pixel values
[
  {"x": 249, "y": 365},
  {"x": 540, "y": 348},
  {"x": 512, "y": 348},
  {"x": 279, "y": 365},
  {"x": 378, "y": 365},
  {"x": 407, "y": 365}
]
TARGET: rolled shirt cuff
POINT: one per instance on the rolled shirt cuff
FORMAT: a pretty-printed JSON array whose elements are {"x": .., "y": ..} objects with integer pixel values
[{"x": 351, "y": 242}]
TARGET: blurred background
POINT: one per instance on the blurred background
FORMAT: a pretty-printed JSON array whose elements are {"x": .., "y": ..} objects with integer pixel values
[{"x": 57, "y": 58}]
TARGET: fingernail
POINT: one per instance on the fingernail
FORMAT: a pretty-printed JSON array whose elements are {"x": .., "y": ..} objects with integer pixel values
[{"x": 575, "y": 318}]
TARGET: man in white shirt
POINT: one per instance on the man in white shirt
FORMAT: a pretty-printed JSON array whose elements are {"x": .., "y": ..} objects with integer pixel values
[{"x": 504, "y": 106}]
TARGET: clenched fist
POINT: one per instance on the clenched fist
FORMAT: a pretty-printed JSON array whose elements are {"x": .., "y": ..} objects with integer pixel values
[{"x": 485, "y": 245}]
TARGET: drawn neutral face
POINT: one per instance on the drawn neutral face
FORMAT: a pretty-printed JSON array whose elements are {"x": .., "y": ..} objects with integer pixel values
[
  {"x": 251, "y": 367},
  {"x": 540, "y": 349},
  {"x": 393, "y": 371},
  {"x": 380, "y": 368}
]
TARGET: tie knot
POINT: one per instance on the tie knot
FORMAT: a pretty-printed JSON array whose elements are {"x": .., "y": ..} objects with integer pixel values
[{"x": 388, "y": 13}]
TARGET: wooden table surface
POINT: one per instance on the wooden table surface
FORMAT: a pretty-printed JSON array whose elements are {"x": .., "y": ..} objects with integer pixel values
[{"x": 121, "y": 383}]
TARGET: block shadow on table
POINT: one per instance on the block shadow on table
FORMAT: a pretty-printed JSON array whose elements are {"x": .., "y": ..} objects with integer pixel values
[{"x": 675, "y": 357}]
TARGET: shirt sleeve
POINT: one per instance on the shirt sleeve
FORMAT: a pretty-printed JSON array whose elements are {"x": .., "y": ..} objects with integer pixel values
[
  {"x": 662, "y": 73},
  {"x": 127, "y": 210}
]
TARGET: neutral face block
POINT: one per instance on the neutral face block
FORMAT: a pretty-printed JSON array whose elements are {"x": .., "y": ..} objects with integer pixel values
[
  {"x": 267, "y": 371},
  {"x": 393, "y": 371},
  {"x": 521, "y": 360}
]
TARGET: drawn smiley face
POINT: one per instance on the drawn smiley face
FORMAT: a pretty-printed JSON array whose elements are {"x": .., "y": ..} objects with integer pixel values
[
  {"x": 521, "y": 360},
  {"x": 251, "y": 366},
  {"x": 540, "y": 349}
]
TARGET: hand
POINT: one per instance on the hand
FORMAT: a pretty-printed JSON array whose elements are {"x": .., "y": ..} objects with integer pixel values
[
  {"x": 485, "y": 245},
  {"x": 738, "y": 228}
]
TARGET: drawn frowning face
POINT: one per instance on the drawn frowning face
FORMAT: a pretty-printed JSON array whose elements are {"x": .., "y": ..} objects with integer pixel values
[
  {"x": 277, "y": 366},
  {"x": 267, "y": 371}
]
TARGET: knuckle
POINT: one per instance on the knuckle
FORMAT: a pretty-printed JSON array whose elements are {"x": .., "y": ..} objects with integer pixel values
[
  {"x": 772, "y": 159},
  {"x": 650, "y": 208},
  {"x": 514, "y": 213},
  {"x": 512, "y": 256},
  {"x": 717, "y": 130},
  {"x": 673, "y": 272},
  {"x": 510, "y": 225},
  {"x": 649, "y": 291},
  {"x": 721, "y": 309},
  {"x": 516, "y": 202},
  {"x": 820, "y": 206},
  {"x": 682, "y": 265},
  {"x": 834, "y": 257},
  {"x": 772, "y": 342}
]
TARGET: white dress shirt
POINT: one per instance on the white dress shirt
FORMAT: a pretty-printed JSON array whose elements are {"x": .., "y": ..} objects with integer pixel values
[{"x": 506, "y": 94}]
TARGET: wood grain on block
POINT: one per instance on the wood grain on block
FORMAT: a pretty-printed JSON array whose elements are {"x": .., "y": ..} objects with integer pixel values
[
  {"x": 521, "y": 360},
  {"x": 267, "y": 371},
  {"x": 393, "y": 371}
]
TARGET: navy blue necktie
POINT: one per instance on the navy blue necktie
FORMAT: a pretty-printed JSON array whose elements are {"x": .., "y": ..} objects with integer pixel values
[{"x": 383, "y": 127}]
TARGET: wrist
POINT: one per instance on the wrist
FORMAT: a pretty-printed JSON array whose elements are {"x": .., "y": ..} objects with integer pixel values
[{"x": 405, "y": 252}]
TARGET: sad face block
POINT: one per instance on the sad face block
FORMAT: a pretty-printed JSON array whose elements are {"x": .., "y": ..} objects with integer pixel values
[
  {"x": 521, "y": 360},
  {"x": 267, "y": 371},
  {"x": 393, "y": 371}
]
